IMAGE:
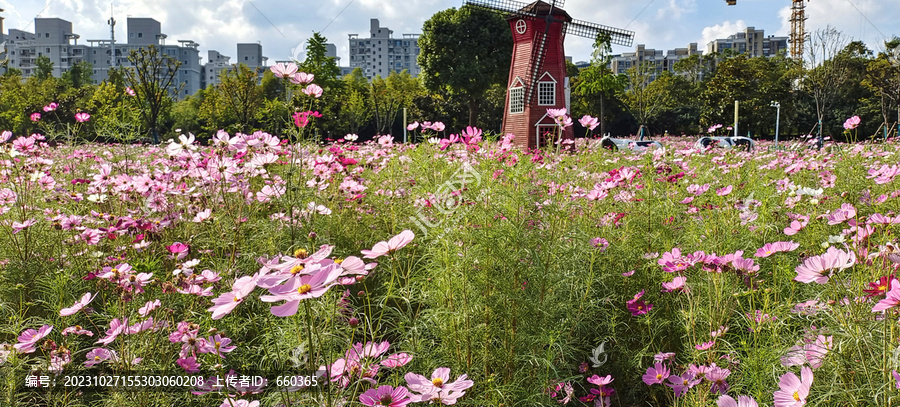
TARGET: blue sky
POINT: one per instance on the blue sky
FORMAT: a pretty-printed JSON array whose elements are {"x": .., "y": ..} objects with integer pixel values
[{"x": 280, "y": 26}]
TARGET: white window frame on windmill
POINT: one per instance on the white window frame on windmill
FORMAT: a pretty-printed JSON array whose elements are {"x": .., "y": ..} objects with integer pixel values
[
  {"x": 517, "y": 96},
  {"x": 546, "y": 90}
]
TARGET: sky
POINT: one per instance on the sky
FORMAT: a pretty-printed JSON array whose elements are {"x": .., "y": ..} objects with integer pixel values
[{"x": 282, "y": 27}]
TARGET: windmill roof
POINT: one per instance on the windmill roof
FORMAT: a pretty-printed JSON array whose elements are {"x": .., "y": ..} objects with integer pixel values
[{"x": 543, "y": 8}]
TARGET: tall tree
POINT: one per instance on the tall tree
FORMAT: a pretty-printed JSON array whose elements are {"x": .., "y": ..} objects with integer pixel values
[
  {"x": 43, "y": 67},
  {"x": 883, "y": 78},
  {"x": 242, "y": 95},
  {"x": 464, "y": 51},
  {"x": 597, "y": 82},
  {"x": 824, "y": 73},
  {"x": 324, "y": 68},
  {"x": 643, "y": 100},
  {"x": 78, "y": 75},
  {"x": 152, "y": 76}
]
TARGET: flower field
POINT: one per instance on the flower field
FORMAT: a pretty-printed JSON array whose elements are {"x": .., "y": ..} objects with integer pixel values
[{"x": 251, "y": 270}]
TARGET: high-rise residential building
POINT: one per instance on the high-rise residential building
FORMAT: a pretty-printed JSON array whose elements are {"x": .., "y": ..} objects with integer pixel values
[
  {"x": 250, "y": 55},
  {"x": 751, "y": 41},
  {"x": 658, "y": 61},
  {"x": 54, "y": 38},
  {"x": 212, "y": 69},
  {"x": 381, "y": 53}
]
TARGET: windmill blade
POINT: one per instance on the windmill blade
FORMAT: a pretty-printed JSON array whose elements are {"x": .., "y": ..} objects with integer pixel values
[
  {"x": 506, "y": 7},
  {"x": 590, "y": 30}
]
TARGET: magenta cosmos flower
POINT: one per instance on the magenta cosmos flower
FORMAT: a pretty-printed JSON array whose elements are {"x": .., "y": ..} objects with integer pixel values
[
  {"x": 892, "y": 298},
  {"x": 814, "y": 269},
  {"x": 82, "y": 117},
  {"x": 225, "y": 303},
  {"x": 771, "y": 248},
  {"x": 98, "y": 355},
  {"x": 656, "y": 374},
  {"x": 389, "y": 247},
  {"x": 30, "y": 337},
  {"x": 305, "y": 287},
  {"x": 386, "y": 396},
  {"x": 85, "y": 300},
  {"x": 793, "y": 390},
  {"x": 742, "y": 401},
  {"x": 637, "y": 306},
  {"x": 852, "y": 123}
]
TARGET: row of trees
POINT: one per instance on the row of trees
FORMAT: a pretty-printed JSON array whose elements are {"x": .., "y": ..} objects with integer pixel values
[{"x": 465, "y": 60}]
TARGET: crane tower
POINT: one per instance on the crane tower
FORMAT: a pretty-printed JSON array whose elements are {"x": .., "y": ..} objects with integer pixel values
[{"x": 798, "y": 28}]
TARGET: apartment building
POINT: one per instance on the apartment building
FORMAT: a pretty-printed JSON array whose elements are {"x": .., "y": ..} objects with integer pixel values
[
  {"x": 752, "y": 42},
  {"x": 381, "y": 53}
]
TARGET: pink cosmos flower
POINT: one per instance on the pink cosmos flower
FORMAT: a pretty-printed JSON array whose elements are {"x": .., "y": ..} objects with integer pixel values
[
  {"x": 313, "y": 90},
  {"x": 76, "y": 330},
  {"x": 30, "y": 337},
  {"x": 225, "y": 303},
  {"x": 202, "y": 215},
  {"x": 628, "y": 273},
  {"x": 412, "y": 126},
  {"x": 852, "y": 122},
  {"x": 116, "y": 328},
  {"x": 129, "y": 91},
  {"x": 896, "y": 377},
  {"x": 600, "y": 381},
  {"x": 230, "y": 402},
  {"x": 814, "y": 268},
  {"x": 677, "y": 284},
  {"x": 892, "y": 298},
  {"x": 386, "y": 396},
  {"x": 82, "y": 117},
  {"x": 724, "y": 191},
  {"x": 189, "y": 364},
  {"x": 35, "y": 116},
  {"x": 771, "y": 248},
  {"x": 297, "y": 289},
  {"x": 98, "y": 355},
  {"x": 681, "y": 384},
  {"x": 845, "y": 213},
  {"x": 742, "y": 401},
  {"x": 284, "y": 70},
  {"x": 717, "y": 376},
  {"x": 793, "y": 390},
  {"x": 600, "y": 243},
  {"x": 218, "y": 345},
  {"x": 302, "y": 78},
  {"x": 51, "y": 107},
  {"x": 179, "y": 250},
  {"x": 20, "y": 226},
  {"x": 438, "y": 387},
  {"x": 396, "y": 360},
  {"x": 389, "y": 247},
  {"x": 656, "y": 374},
  {"x": 589, "y": 122},
  {"x": 85, "y": 300},
  {"x": 705, "y": 345}
]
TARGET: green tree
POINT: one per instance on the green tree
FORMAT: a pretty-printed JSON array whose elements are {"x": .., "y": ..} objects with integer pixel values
[
  {"x": 242, "y": 95},
  {"x": 78, "y": 75},
  {"x": 824, "y": 74},
  {"x": 597, "y": 84},
  {"x": 643, "y": 100},
  {"x": 152, "y": 76},
  {"x": 883, "y": 78},
  {"x": 43, "y": 68},
  {"x": 356, "y": 110},
  {"x": 464, "y": 52},
  {"x": 324, "y": 68}
]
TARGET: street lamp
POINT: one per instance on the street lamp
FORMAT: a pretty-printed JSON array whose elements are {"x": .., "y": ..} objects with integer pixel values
[{"x": 777, "y": 107}]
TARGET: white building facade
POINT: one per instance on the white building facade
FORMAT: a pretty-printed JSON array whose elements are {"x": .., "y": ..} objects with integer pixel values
[{"x": 381, "y": 53}]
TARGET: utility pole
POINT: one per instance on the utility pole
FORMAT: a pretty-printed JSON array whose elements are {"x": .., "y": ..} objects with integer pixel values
[
  {"x": 736, "y": 118},
  {"x": 777, "y": 107},
  {"x": 112, "y": 38}
]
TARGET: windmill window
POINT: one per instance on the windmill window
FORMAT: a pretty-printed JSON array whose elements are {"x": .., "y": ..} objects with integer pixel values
[
  {"x": 546, "y": 93},
  {"x": 517, "y": 99}
]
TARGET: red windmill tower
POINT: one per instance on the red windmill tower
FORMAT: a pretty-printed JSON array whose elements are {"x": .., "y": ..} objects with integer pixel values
[{"x": 537, "y": 75}]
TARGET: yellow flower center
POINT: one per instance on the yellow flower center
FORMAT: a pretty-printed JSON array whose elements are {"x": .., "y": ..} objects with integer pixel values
[
  {"x": 882, "y": 288},
  {"x": 338, "y": 261},
  {"x": 115, "y": 271},
  {"x": 236, "y": 299},
  {"x": 796, "y": 396},
  {"x": 301, "y": 253},
  {"x": 96, "y": 357},
  {"x": 437, "y": 382},
  {"x": 658, "y": 376},
  {"x": 305, "y": 288},
  {"x": 218, "y": 344},
  {"x": 296, "y": 269}
]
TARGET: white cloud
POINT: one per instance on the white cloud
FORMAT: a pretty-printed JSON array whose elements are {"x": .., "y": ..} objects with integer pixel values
[{"x": 722, "y": 30}]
